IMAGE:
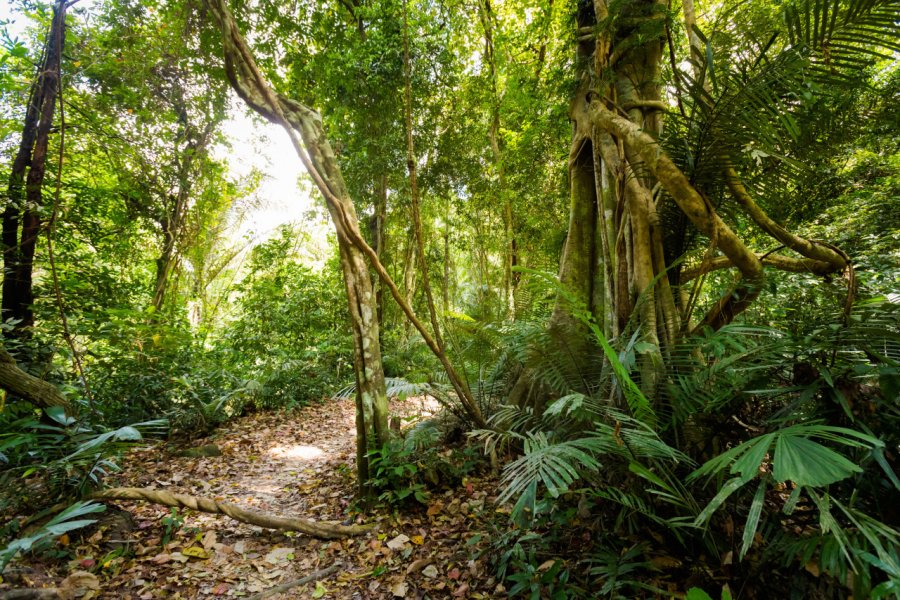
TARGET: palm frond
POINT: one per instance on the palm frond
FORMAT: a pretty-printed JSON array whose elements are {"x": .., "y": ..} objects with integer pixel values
[
  {"x": 844, "y": 34},
  {"x": 554, "y": 465},
  {"x": 395, "y": 387}
]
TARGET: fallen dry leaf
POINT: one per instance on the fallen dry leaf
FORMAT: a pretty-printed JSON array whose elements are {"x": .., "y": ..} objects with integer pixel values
[
  {"x": 195, "y": 552},
  {"x": 430, "y": 571},
  {"x": 398, "y": 542},
  {"x": 220, "y": 590},
  {"x": 462, "y": 590},
  {"x": 547, "y": 565},
  {"x": 79, "y": 584},
  {"x": 277, "y": 555},
  {"x": 209, "y": 539},
  {"x": 399, "y": 589},
  {"x": 417, "y": 565}
]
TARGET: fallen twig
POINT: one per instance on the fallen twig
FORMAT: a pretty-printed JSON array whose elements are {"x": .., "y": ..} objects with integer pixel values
[
  {"x": 31, "y": 594},
  {"x": 314, "y": 576},
  {"x": 323, "y": 530}
]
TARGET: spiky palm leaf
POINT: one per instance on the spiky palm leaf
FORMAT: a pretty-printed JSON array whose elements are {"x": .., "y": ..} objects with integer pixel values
[
  {"x": 775, "y": 108},
  {"x": 844, "y": 35}
]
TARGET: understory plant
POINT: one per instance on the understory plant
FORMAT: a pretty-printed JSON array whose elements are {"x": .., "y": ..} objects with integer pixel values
[
  {"x": 409, "y": 467},
  {"x": 50, "y": 456},
  {"x": 795, "y": 437},
  {"x": 67, "y": 520}
]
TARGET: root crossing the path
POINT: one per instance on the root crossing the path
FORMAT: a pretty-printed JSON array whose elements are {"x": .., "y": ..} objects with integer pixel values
[{"x": 317, "y": 529}]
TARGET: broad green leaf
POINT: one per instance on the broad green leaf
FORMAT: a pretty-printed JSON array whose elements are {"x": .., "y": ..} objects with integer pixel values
[
  {"x": 748, "y": 464},
  {"x": 808, "y": 463},
  {"x": 565, "y": 405},
  {"x": 697, "y": 594},
  {"x": 58, "y": 414}
]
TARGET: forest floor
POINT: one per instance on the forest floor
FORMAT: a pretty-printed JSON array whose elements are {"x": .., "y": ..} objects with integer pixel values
[{"x": 298, "y": 464}]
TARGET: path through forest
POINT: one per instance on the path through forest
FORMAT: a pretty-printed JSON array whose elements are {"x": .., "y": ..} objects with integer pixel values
[{"x": 295, "y": 464}]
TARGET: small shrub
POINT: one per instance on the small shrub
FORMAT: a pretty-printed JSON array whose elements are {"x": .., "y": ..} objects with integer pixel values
[{"x": 406, "y": 469}]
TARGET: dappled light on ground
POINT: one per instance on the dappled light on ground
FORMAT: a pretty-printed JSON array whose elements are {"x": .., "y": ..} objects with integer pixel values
[
  {"x": 298, "y": 453},
  {"x": 297, "y": 464}
]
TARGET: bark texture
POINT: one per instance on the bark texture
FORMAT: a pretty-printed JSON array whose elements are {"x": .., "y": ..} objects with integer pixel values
[
  {"x": 26, "y": 386},
  {"x": 21, "y": 215},
  {"x": 318, "y": 529}
]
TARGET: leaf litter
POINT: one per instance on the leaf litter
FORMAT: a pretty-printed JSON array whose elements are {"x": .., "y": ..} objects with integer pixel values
[{"x": 298, "y": 464}]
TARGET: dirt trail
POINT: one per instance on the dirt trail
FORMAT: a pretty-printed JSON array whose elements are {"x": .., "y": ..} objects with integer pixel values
[{"x": 299, "y": 464}]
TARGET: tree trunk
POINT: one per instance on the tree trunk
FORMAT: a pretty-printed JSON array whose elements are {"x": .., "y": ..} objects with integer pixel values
[
  {"x": 410, "y": 259},
  {"x": 445, "y": 283},
  {"x": 28, "y": 387},
  {"x": 617, "y": 260},
  {"x": 177, "y": 204},
  {"x": 164, "y": 266},
  {"x": 379, "y": 219},
  {"x": 31, "y": 157},
  {"x": 510, "y": 250}
]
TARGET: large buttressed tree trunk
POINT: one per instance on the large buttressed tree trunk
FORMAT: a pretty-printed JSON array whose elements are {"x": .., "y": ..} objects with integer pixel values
[
  {"x": 619, "y": 260},
  {"x": 21, "y": 215}
]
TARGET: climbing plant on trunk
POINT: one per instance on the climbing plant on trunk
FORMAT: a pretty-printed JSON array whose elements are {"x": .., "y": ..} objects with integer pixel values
[
  {"x": 304, "y": 125},
  {"x": 638, "y": 199}
]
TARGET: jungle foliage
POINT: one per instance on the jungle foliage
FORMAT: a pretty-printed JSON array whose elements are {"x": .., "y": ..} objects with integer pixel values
[{"x": 649, "y": 268}]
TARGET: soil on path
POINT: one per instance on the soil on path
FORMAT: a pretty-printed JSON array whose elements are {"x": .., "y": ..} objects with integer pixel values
[{"x": 297, "y": 464}]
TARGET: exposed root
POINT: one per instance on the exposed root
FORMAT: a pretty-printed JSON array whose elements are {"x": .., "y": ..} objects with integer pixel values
[{"x": 323, "y": 530}]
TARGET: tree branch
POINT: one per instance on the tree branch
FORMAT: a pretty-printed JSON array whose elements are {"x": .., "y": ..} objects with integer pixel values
[
  {"x": 697, "y": 210},
  {"x": 648, "y": 104},
  {"x": 284, "y": 587},
  {"x": 811, "y": 250},
  {"x": 782, "y": 263},
  {"x": 37, "y": 391}
]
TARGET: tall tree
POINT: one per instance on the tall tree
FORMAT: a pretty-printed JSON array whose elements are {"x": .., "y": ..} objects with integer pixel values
[
  {"x": 510, "y": 258},
  {"x": 22, "y": 217},
  {"x": 308, "y": 136},
  {"x": 162, "y": 112},
  {"x": 649, "y": 171},
  {"x": 412, "y": 167}
]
